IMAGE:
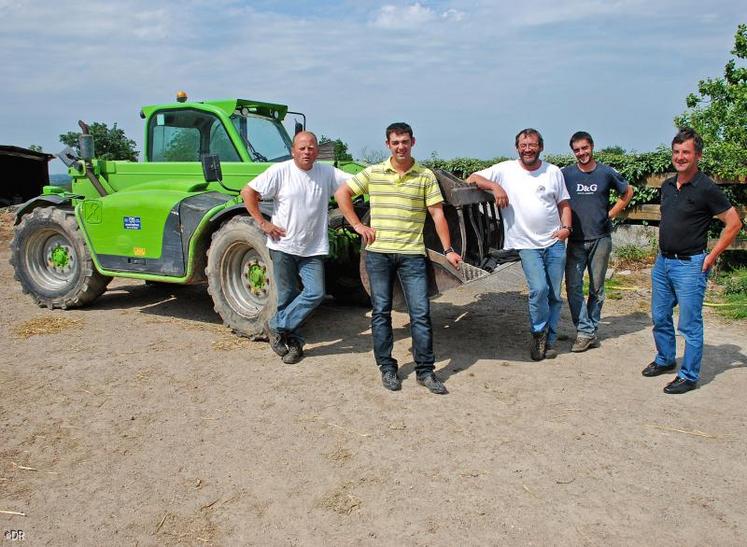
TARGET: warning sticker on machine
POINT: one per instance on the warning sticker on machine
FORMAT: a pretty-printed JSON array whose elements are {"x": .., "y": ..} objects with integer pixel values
[{"x": 132, "y": 223}]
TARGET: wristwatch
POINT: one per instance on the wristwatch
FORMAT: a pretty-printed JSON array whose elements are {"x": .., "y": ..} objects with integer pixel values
[
  {"x": 569, "y": 228},
  {"x": 449, "y": 250}
]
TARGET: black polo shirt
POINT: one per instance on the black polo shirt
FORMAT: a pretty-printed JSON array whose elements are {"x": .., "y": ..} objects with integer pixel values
[{"x": 687, "y": 212}]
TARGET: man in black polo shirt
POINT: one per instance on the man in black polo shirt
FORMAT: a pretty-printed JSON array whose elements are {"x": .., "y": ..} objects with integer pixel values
[{"x": 688, "y": 203}]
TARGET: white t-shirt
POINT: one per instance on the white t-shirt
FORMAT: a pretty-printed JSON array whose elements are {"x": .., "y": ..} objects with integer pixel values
[
  {"x": 533, "y": 196},
  {"x": 300, "y": 204}
]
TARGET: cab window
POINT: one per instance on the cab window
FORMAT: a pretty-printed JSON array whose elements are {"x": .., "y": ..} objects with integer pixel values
[{"x": 187, "y": 135}]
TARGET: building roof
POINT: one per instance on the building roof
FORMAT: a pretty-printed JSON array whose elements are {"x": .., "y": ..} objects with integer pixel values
[{"x": 17, "y": 151}]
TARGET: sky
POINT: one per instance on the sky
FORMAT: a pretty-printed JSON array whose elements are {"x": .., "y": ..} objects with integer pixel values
[{"x": 467, "y": 75}]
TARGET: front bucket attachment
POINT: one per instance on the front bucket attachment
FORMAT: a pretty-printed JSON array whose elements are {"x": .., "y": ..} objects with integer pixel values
[{"x": 476, "y": 231}]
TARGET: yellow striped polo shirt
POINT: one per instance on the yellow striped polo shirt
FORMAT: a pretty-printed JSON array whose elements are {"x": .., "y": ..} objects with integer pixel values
[{"x": 398, "y": 205}]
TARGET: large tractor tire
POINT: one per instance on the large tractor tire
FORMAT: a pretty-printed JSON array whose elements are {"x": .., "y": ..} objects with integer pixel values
[
  {"x": 239, "y": 274},
  {"x": 342, "y": 276},
  {"x": 52, "y": 261}
]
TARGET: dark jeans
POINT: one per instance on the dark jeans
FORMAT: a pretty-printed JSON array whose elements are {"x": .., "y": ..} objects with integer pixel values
[
  {"x": 295, "y": 306},
  {"x": 593, "y": 256},
  {"x": 411, "y": 271}
]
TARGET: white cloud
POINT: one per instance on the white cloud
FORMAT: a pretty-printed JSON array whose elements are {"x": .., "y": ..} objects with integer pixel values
[{"x": 413, "y": 16}]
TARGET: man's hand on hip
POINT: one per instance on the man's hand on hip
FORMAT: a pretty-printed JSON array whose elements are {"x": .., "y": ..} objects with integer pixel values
[
  {"x": 709, "y": 261},
  {"x": 275, "y": 232},
  {"x": 562, "y": 234}
]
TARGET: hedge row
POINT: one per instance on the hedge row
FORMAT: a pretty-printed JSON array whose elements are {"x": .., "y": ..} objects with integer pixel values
[{"x": 635, "y": 167}]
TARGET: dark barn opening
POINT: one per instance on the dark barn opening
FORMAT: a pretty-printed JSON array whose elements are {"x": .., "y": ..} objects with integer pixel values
[{"x": 25, "y": 172}]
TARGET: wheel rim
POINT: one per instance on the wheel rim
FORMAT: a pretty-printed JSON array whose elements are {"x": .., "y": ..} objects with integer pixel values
[
  {"x": 245, "y": 279},
  {"x": 51, "y": 260}
]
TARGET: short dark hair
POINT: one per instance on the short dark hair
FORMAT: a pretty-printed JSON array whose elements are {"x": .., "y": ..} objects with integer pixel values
[
  {"x": 399, "y": 128},
  {"x": 580, "y": 136},
  {"x": 687, "y": 133},
  {"x": 527, "y": 133}
]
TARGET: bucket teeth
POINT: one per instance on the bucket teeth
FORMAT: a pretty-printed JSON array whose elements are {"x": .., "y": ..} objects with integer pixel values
[{"x": 470, "y": 272}]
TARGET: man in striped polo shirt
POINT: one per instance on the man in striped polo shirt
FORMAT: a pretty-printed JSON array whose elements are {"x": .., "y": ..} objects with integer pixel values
[{"x": 401, "y": 191}]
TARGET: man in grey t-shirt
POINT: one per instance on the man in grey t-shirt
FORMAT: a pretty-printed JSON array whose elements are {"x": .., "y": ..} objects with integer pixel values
[{"x": 589, "y": 183}]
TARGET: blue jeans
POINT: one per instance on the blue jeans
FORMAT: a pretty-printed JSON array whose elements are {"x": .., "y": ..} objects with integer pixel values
[
  {"x": 412, "y": 273},
  {"x": 295, "y": 306},
  {"x": 581, "y": 256},
  {"x": 679, "y": 282},
  {"x": 543, "y": 269}
]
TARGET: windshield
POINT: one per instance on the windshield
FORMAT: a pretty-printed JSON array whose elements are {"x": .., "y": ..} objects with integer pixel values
[{"x": 265, "y": 138}]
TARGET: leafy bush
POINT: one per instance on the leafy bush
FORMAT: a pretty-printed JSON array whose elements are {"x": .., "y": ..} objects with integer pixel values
[{"x": 632, "y": 253}]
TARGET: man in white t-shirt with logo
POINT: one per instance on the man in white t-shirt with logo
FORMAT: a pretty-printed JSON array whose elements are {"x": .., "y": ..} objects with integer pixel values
[
  {"x": 296, "y": 236},
  {"x": 537, "y": 221}
]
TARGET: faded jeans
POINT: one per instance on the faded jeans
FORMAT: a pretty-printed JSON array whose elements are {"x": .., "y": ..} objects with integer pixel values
[
  {"x": 679, "y": 282},
  {"x": 581, "y": 256},
  {"x": 412, "y": 273},
  {"x": 295, "y": 306},
  {"x": 543, "y": 269}
]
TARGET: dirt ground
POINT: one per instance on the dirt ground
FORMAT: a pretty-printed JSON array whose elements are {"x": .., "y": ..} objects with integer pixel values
[{"x": 141, "y": 420}]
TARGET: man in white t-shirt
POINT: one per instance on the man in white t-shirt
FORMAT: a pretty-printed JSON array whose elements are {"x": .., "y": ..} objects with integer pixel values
[
  {"x": 537, "y": 221},
  {"x": 296, "y": 236}
]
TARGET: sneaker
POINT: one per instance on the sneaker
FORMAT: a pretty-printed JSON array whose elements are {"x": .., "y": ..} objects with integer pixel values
[
  {"x": 277, "y": 341},
  {"x": 583, "y": 343},
  {"x": 680, "y": 385},
  {"x": 390, "y": 380},
  {"x": 538, "y": 346},
  {"x": 433, "y": 384},
  {"x": 295, "y": 352}
]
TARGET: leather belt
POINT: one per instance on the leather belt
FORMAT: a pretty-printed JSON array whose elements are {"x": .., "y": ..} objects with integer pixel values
[{"x": 678, "y": 256}]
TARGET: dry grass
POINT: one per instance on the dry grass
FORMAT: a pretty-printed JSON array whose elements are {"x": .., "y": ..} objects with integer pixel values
[
  {"x": 6, "y": 224},
  {"x": 45, "y": 325},
  {"x": 230, "y": 342},
  {"x": 340, "y": 500},
  {"x": 340, "y": 455}
]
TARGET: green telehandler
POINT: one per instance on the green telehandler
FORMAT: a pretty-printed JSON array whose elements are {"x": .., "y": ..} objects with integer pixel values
[{"x": 177, "y": 217}]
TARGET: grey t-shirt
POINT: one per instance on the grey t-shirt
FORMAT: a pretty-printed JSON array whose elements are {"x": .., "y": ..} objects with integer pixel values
[{"x": 590, "y": 194}]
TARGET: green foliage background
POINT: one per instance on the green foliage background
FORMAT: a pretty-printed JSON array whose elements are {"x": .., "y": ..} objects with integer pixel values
[
  {"x": 635, "y": 167},
  {"x": 718, "y": 111},
  {"x": 110, "y": 143}
]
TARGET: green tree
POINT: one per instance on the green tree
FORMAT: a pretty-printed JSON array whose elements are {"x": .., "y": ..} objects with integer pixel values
[
  {"x": 110, "y": 144},
  {"x": 341, "y": 148},
  {"x": 615, "y": 149},
  {"x": 719, "y": 113},
  {"x": 36, "y": 148},
  {"x": 373, "y": 155}
]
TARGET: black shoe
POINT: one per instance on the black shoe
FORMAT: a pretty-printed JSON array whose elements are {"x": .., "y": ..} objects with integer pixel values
[
  {"x": 652, "y": 369},
  {"x": 538, "y": 346},
  {"x": 390, "y": 380},
  {"x": 433, "y": 384},
  {"x": 680, "y": 385},
  {"x": 277, "y": 341},
  {"x": 295, "y": 352}
]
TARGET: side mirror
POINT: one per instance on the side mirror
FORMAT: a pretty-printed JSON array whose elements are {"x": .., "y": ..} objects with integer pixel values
[
  {"x": 298, "y": 128},
  {"x": 211, "y": 168},
  {"x": 87, "y": 150}
]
